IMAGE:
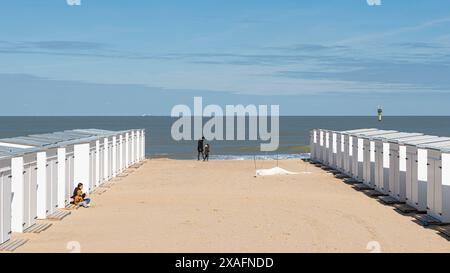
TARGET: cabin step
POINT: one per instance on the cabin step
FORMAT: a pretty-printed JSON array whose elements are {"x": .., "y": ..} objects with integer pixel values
[
  {"x": 352, "y": 181},
  {"x": 334, "y": 171},
  {"x": 71, "y": 207},
  {"x": 361, "y": 186},
  {"x": 389, "y": 200},
  {"x": 404, "y": 208},
  {"x": 12, "y": 244},
  {"x": 59, "y": 215},
  {"x": 137, "y": 165},
  {"x": 374, "y": 193},
  {"x": 99, "y": 190},
  {"x": 445, "y": 230},
  {"x": 427, "y": 220},
  {"x": 341, "y": 176},
  {"x": 37, "y": 228},
  {"x": 106, "y": 185}
]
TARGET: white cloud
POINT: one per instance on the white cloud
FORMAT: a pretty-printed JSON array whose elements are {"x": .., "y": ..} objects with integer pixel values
[
  {"x": 73, "y": 2},
  {"x": 374, "y": 2}
]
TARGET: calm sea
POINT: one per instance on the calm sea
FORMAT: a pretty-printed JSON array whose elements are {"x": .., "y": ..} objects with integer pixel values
[{"x": 294, "y": 132}]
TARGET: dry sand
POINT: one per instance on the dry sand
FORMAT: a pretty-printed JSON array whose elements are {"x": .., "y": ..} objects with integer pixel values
[{"x": 219, "y": 206}]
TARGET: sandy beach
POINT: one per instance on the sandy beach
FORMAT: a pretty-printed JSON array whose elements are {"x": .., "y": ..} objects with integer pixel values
[{"x": 219, "y": 206}]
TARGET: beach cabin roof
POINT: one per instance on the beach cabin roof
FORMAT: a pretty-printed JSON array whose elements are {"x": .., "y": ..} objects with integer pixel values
[
  {"x": 4, "y": 155},
  {"x": 56, "y": 139},
  {"x": 411, "y": 138},
  {"x": 420, "y": 140},
  {"x": 59, "y": 136},
  {"x": 359, "y": 131},
  {"x": 77, "y": 141},
  {"x": 435, "y": 146},
  {"x": 13, "y": 151},
  {"x": 95, "y": 131},
  {"x": 415, "y": 139},
  {"x": 398, "y": 135},
  {"x": 28, "y": 141},
  {"x": 39, "y": 142},
  {"x": 10, "y": 150},
  {"x": 372, "y": 134}
]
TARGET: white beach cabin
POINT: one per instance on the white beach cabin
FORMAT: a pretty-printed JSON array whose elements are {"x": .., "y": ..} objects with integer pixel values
[
  {"x": 47, "y": 171},
  {"x": 438, "y": 184},
  {"x": 382, "y": 162},
  {"x": 358, "y": 159},
  {"x": 23, "y": 209},
  {"x": 333, "y": 149},
  {"x": 435, "y": 187},
  {"x": 367, "y": 175},
  {"x": 397, "y": 159},
  {"x": 416, "y": 172},
  {"x": 347, "y": 144}
]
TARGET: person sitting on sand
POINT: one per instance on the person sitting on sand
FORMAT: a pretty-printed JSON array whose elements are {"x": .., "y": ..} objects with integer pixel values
[
  {"x": 200, "y": 148},
  {"x": 79, "y": 198},
  {"x": 206, "y": 153}
]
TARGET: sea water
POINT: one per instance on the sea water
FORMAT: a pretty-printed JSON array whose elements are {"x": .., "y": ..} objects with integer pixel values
[{"x": 294, "y": 133}]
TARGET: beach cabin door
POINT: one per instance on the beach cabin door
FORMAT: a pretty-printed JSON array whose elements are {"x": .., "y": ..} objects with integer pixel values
[
  {"x": 372, "y": 163},
  {"x": 106, "y": 159},
  {"x": 62, "y": 169},
  {"x": 5, "y": 203},
  {"x": 30, "y": 193},
  {"x": 366, "y": 163},
  {"x": 354, "y": 172},
  {"x": 345, "y": 154},
  {"x": 419, "y": 189},
  {"x": 52, "y": 182},
  {"x": 394, "y": 160},
  {"x": 331, "y": 151},
  {"x": 350, "y": 156},
  {"x": 434, "y": 185},
  {"x": 339, "y": 151},
  {"x": 117, "y": 149},
  {"x": 122, "y": 152},
  {"x": 386, "y": 165},
  {"x": 379, "y": 165},
  {"x": 110, "y": 159},
  {"x": 401, "y": 189},
  {"x": 102, "y": 162},
  {"x": 69, "y": 176},
  {"x": 360, "y": 159},
  {"x": 91, "y": 183},
  {"x": 411, "y": 173},
  {"x": 133, "y": 145},
  {"x": 81, "y": 164}
]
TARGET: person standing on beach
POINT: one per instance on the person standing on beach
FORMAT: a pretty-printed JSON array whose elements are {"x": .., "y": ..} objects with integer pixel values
[
  {"x": 206, "y": 153},
  {"x": 200, "y": 148}
]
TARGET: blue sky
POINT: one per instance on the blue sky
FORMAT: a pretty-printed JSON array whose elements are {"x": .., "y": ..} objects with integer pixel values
[{"x": 329, "y": 57}]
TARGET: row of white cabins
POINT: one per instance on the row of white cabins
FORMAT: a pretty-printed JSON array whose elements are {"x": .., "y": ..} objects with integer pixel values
[
  {"x": 38, "y": 173},
  {"x": 409, "y": 168}
]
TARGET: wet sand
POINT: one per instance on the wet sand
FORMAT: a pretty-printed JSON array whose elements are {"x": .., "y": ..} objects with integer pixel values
[{"x": 219, "y": 206}]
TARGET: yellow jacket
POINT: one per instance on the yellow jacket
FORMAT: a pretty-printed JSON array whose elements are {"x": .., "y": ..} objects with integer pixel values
[{"x": 78, "y": 198}]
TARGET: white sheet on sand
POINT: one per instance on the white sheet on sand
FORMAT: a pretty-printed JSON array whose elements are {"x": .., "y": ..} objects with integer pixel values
[{"x": 273, "y": 171}]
